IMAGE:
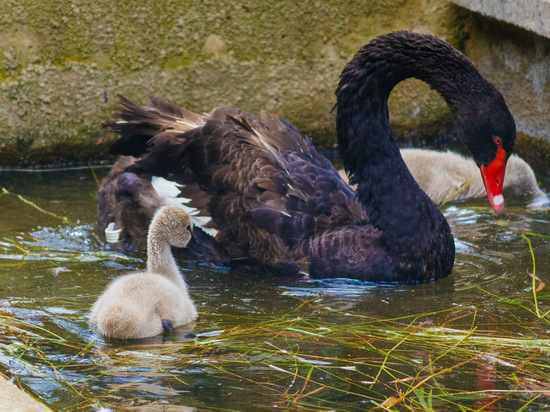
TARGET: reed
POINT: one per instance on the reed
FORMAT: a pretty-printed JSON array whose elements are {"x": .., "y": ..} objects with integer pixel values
[
  {"x": 535, "y": 278},
  {"x": 344, "y": 362},
  {"x": 34, "y": 205}
]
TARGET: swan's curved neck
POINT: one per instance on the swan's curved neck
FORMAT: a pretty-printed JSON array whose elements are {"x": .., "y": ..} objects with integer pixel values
[
  {"x": 413, "y": 228},
  {"x": 362, "y": 120}
]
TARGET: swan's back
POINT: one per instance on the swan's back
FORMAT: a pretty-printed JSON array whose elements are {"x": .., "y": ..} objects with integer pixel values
[{"x": 268, "y": 192}]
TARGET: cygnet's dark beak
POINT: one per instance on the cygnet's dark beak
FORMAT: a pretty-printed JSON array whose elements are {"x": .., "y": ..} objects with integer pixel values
[{"x": 167, "y": 325}]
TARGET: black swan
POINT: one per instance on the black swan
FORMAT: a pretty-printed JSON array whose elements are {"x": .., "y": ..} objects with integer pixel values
[
  {"x": 279, "y": 205},
  {"x": 141, "y": 305},
  {"x": 446, "y": 176}
]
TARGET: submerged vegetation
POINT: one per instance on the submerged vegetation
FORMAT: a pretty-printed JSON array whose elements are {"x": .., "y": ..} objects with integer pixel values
[
  {"x": 476, "y": 341},
  {"x": 311, "y": 357}
]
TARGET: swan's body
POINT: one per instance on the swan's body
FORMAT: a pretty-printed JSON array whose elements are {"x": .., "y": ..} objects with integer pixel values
[
  {"x": 279, "y": 205},
  {"x": 140, "y": 305},
  {"x": 446, "y": 176}
]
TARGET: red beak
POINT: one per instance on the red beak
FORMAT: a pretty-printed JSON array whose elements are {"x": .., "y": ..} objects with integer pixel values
[{"x": 493, "y": 178}]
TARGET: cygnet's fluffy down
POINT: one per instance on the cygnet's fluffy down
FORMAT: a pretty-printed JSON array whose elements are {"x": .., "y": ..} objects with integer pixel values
[
  {"x": 448, "y": 176},
  {"x": 145, "y": 304}
]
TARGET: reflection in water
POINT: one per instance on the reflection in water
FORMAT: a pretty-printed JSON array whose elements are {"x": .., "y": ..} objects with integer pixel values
[
  {"x": 262, "y": 342},
  {"x": 346, "y": 288}
]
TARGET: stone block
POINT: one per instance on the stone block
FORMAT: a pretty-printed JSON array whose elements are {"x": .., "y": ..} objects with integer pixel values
[{"x": 533, "y": 15}]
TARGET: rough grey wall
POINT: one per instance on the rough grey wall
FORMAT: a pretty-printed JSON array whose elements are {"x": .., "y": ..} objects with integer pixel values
[
  {"x": 532, "y": 15},
  {"x": 517, "y": 61},
  {"x": 63, "y": 62}
]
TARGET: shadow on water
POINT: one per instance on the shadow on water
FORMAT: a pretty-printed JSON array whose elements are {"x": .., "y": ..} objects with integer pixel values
[{"x": 471, "y": 341}]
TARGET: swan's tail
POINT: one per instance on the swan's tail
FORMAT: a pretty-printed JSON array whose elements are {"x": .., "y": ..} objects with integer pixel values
[{"x": 137, "y": 125}]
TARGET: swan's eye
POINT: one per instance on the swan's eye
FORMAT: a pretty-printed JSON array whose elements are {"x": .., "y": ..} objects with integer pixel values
[{"x": 497, "y": 140}]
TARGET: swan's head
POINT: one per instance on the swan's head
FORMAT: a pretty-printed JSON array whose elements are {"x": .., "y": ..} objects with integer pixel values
[
  {"x": 488, "y": 129},
  {"x": 174, "y": 224}
]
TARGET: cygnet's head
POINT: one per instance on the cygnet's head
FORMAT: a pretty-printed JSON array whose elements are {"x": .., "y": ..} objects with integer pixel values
[{"x": 174, "y": 224}]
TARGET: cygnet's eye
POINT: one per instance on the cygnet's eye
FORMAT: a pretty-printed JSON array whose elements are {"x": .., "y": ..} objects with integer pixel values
[{"x": 188, "y": 228}]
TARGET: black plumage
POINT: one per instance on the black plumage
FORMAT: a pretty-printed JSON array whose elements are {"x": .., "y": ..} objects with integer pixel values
[{"x": 279, "y": 205}]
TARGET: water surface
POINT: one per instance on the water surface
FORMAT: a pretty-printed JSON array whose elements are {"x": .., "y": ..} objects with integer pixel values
[{"x": 474, "y": 339}]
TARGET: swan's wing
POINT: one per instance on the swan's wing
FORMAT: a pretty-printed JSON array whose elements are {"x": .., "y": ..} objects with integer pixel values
[{"x": 265, "y": 187}]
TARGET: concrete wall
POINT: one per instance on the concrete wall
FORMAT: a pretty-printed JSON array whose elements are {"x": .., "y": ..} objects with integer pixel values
[
  {"x": 509, "y": 42},
  {"x": 533, "y": 15},
  {"x": 63, "y": 62}
]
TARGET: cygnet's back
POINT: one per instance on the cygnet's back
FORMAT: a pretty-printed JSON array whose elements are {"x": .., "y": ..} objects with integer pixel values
[
  {"x": 144, "y": 304},
  {"x": 445, "y": 176}
]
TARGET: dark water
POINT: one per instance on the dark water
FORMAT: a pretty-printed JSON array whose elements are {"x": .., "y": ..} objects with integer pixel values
[{"x": 473, "y": 339}]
